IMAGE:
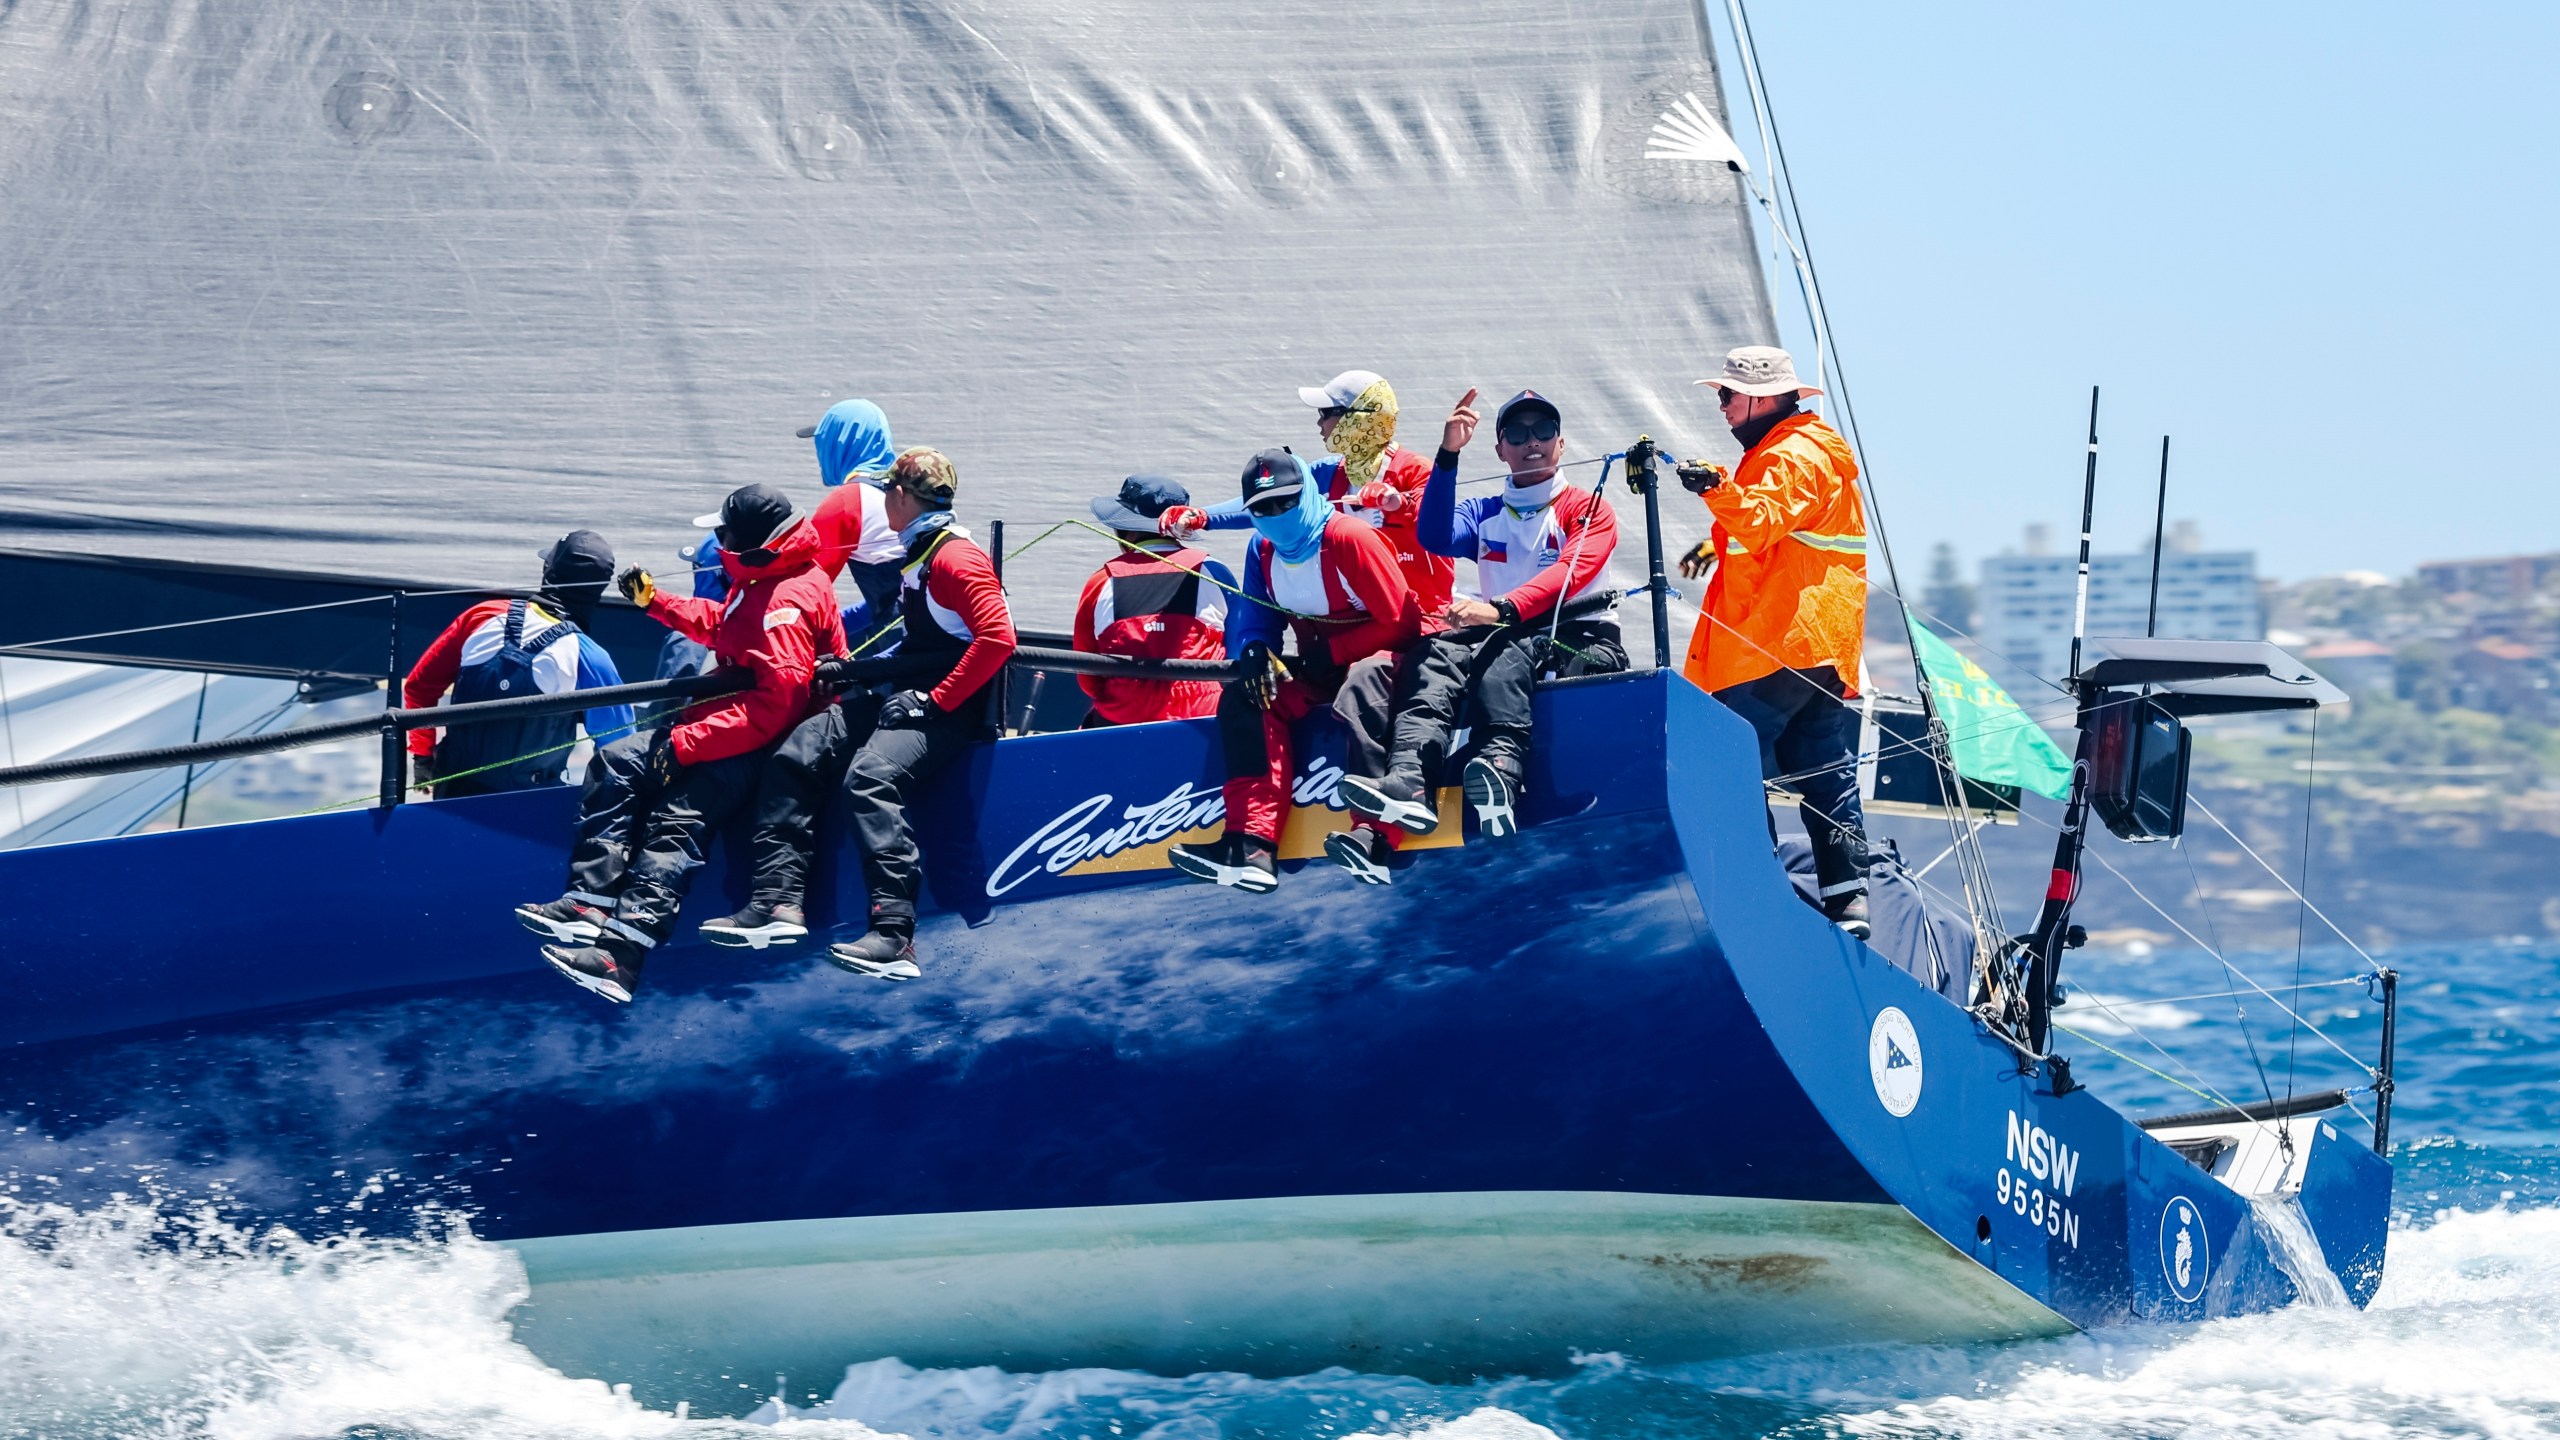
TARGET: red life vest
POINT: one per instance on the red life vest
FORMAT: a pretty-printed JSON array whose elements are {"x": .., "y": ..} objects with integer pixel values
[{"x": 1153, "y": 607}]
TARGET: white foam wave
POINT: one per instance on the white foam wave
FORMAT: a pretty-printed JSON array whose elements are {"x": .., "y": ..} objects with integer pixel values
[
  {"x": 124, "y": 1321},
  {"x": 2464, "y": 1339}
]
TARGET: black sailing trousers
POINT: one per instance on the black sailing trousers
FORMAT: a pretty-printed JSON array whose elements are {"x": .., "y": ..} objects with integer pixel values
[
  {"x": 1482, "y": 676},
  {"x": 1809, "y": 743},
  {"x": 841, "y": 749},
  {"x": 638, "y": 845}
]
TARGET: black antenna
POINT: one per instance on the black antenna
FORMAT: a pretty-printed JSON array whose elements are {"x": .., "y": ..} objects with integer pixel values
[
  {"x": 2088, "y": 518},
  {"x": 2159, "y": 531}
]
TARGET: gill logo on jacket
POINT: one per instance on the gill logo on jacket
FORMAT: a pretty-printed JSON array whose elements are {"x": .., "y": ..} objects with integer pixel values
[{"x": 1088, "y": 838}]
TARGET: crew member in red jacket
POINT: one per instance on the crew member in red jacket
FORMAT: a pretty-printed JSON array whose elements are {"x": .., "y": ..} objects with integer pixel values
[
  {"x": 958, "y": 637},
  {"x": 653, "y": 800},
  {"x": 1335, "y": 581},
  {"x": 1158, "y": 599},
  {"x": 1370, "y": 478}
]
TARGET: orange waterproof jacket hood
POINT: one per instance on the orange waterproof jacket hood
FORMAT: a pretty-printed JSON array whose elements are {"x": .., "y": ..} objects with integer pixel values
[{"x": 1790, "y": 583}]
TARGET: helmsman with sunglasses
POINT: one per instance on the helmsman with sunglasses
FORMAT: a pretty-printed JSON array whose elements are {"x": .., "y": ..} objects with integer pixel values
[
  {"x": 1781, "y": 633},
  {"x": 1369, "y": 478},
  {"x": 1541, "y": 549},
  {"x": 1333, "y": 582}
]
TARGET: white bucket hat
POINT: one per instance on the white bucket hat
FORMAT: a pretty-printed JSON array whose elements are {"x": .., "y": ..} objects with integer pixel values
[{"x": 1760, "y": 370}]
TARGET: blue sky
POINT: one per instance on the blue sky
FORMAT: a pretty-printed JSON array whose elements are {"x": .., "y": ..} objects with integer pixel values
[{"x": 2315, "y": 244}]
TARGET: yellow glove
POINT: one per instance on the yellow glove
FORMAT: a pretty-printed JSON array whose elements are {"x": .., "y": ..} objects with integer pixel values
[
  {"x": 1700, "y": 559},
  {"x": 637, "y": 587}
]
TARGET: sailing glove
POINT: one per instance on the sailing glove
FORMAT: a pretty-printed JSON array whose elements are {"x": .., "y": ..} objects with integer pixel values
[
  {"x": 1181, "y": 522},
  {"x": 1260, "y": 673},
  {"x": 636, "y": 586},
  {"x": 1699, "y": 476},
  {"x": 833, "y": 675},
  {"x": 1700, "y": 559},
  {"x": 905, "y": 710}
]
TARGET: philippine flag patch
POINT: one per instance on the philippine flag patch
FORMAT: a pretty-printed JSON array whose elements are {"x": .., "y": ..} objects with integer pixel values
[{"x": 1495, "y": 551}]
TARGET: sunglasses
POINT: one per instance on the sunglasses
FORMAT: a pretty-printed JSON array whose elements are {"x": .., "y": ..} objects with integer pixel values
[
  {"x": 1274, "y": 504},
  {"x": 1531, "y": 427}
]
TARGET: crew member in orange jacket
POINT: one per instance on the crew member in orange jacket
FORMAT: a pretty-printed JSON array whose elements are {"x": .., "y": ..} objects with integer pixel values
[
  {"x": 1157, "y": 599},
  {"x": 1779, "y": 636}
]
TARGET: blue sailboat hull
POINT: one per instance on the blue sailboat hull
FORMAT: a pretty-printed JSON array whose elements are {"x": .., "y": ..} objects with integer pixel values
[{"x": 1702, "y": 1109}]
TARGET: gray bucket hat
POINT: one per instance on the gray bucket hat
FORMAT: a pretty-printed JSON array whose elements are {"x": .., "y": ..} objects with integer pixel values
[{"x": 1760, "y": 370}]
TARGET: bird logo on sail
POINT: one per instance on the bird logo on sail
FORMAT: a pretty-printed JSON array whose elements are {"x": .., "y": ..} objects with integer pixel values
[{"x": 1688, "y": 131}]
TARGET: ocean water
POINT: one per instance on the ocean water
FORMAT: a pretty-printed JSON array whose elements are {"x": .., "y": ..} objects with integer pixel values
[{"x": 134, "y": 1321}]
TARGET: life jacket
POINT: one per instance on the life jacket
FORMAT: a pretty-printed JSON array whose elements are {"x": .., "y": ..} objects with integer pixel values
[
  {"x": 1155, "y": 605},
  {"x": 934, "y": 636},
  {"x": 1151, "y": 607},
  {"x": 527, "y": 752}
]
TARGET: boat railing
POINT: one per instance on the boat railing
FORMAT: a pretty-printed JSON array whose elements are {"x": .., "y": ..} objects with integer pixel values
[{"x": 393, "y": 724}]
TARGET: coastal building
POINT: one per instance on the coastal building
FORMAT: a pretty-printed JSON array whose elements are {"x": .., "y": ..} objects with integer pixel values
[{"x": 2025, "y": 598}]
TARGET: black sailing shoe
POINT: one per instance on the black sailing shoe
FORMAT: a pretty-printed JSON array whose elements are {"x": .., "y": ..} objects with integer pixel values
[
  {"x": 1491, "y": 794},
  {"x": 1849, "y": 912},
  {"x": 1362, "y": 851},
  {"x": 570, "y": 922},
  {"x": 880, "y": 954},
  {"x": 1239, "y": 862},
  {"x": 756, "y": 927},
  {"x": 610, "y": 969},
  {"x": 1395, "y": 800}
]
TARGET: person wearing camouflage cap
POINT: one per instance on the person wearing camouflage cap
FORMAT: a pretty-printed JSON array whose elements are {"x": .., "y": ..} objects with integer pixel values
[{"x": 876, "y": 745}]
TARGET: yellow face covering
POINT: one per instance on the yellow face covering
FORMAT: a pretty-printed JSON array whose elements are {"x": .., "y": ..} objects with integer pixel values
[{"x": 1361, "y": 437}]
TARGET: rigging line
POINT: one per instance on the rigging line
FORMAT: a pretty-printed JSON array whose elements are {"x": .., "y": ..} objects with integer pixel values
[
  {"x": 2240, "y": 1013},
  {"x": 2310, "y": 792},
  {"x": 257, "y": 615},
  {"x": 1974, "y": 866},
  {"x": 2199, "y": 942},
  {"x": 55, "y": 823},
  {"x": 2217, "y": 994},
  {"x": 2279, "y": 879},
  {"x": 2136, "y": 1064},
  {"x": 2140, "y": 1034}
]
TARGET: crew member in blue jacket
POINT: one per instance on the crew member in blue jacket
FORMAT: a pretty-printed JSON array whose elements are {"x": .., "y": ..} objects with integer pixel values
[{"x": 1544, "y": 606}]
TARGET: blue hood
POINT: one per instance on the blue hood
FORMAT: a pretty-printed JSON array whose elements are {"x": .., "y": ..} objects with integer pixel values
[
  {"x": 1297, "y": 534},
  {"x": 853, "y": 435}
]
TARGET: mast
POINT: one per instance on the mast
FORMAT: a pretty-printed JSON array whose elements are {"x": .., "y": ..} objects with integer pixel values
[
  {"x": 2045, "y": 944},
  {"x": 2088, "y": 513},
  {"x": 2159, "y": 537}
]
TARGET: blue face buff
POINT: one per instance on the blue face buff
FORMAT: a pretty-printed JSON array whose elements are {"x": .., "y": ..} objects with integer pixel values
[{"x": 1298, "y": 532}]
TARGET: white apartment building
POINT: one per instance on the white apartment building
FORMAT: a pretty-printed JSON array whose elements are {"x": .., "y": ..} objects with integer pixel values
[{"x": 2025, "y": 600}]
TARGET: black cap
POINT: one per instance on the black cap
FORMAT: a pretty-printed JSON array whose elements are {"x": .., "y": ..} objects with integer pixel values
[
  {"x": 578, "y": 558},
  {"x": 1273, "y": 473},
  {"x": 1526, "y": 400},
  {"x": 752, "y": 515},
  {"x": 806, "y": 432}
]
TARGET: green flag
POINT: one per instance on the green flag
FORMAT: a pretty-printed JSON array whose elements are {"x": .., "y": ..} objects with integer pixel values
[{"x": 1994, "y": 741}]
